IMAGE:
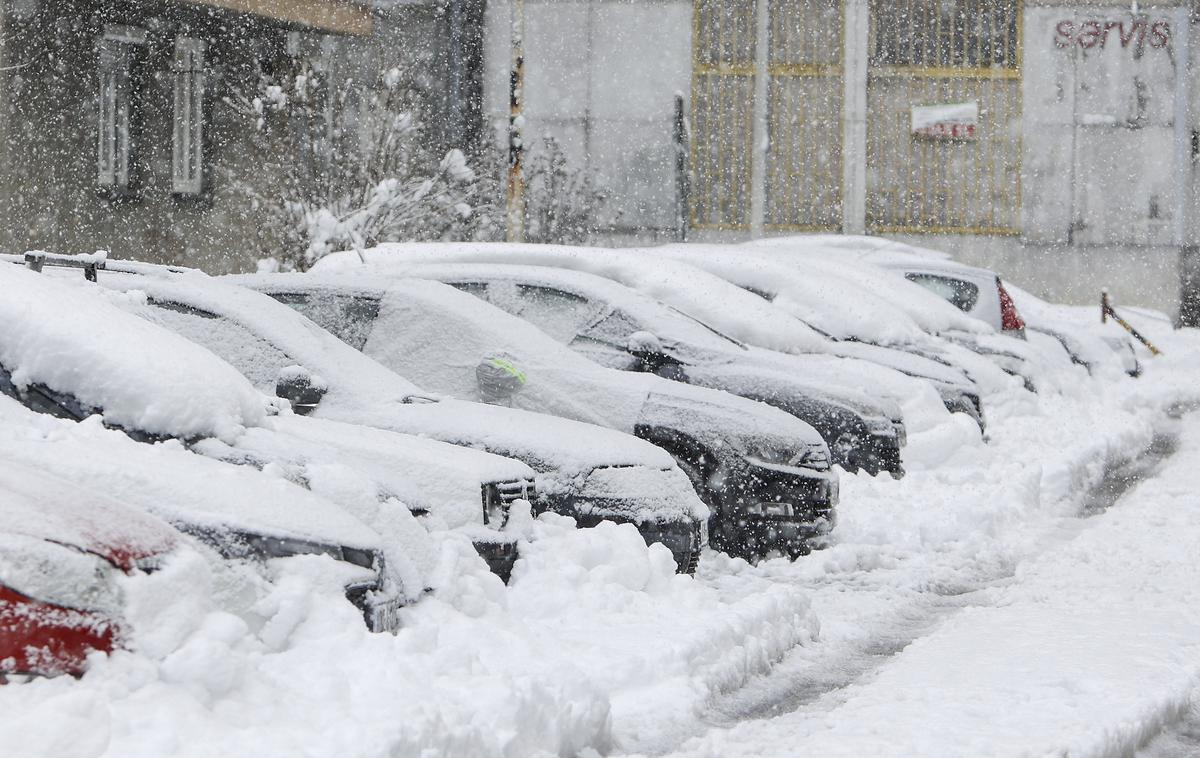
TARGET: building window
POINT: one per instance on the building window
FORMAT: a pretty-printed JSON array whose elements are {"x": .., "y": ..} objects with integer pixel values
[
  {"x": 187, "y": 154},
  {"x": 116, "y": 50},
  {"x": 115, "y": 156}
]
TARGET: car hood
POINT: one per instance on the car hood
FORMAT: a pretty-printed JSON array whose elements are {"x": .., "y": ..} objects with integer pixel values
[
  {"x": 34, "y": 504},
  {"x": 545, "y": 443},
  {"x": 178, "y": 486}
]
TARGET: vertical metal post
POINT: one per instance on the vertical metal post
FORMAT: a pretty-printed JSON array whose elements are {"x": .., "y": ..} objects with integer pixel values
[
  {"x": 1189, "y": 254},
  {"x": 516, "y": 121},
  {"x": 682, "y": 183},
  {"x": 759, "y": 133},
  {"x": 854, "y": 117}
]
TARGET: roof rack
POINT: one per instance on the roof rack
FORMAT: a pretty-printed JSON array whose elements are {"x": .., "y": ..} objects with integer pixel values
[{"x": 90, "y": 263}]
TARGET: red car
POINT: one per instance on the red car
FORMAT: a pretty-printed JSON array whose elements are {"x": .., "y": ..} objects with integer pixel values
[{"x": 61, "y": 552}]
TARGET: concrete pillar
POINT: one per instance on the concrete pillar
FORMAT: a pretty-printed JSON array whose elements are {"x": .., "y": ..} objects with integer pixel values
[
  {"x": 760, "y": 138},
  {"x": 854, "y": 117}
]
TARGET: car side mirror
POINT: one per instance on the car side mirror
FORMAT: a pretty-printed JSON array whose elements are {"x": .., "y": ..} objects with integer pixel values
[
  {"x": 301, "y": 388},
  {"x": 498, "y": 378}
]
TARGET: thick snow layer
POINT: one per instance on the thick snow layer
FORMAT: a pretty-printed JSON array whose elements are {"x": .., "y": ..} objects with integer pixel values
[
  {"x": 64, "y": 335},
  {"x": 931, "y": 312},
  {"x": 838, "y": 307},
  {"x": 39, "y": 506},
  {"x": 697, "y": 293},
  {"x": 444, "y": 334},
  {"x": 261, "y": 337},
  {"x": 172, "y": 483},
  {"x": 594, "y": 626},
  {"x": 972, "y": 608},
  {"x": 586, "y": 327}
]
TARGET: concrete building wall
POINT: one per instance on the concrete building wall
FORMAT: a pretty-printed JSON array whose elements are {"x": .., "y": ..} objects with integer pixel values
[
  {"x": 600, "y": 79},
  {"x": 1097, "y": 184}
]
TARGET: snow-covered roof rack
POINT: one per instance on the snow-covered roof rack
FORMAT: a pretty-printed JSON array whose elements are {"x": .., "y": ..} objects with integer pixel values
[{"x": 90, "y": 263}]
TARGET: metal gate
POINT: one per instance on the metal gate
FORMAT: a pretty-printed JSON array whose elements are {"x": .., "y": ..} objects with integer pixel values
[
  {"x": 804, "y": 119},
  {"x": 803, "y": 170},
  {"x": 723, "y": 59},
  {"x": 925, "y": 53}
]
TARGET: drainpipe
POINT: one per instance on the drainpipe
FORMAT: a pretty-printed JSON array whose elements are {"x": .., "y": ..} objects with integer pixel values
[
  {"x": 1189, "y": 254},
  {"x": 516, "y": 117}
]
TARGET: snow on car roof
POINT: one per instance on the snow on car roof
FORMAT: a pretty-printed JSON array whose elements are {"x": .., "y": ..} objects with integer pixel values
[
  {"x": 35, "y": 504},
  {"x": 443, "y": 334},
  {"x": 306, "y": 343},
  {"x": 173, "y": 483},
  {"x": 67, "y": 336},
  {"x": 820, "y": 260},
  {"x": 841, "y": 309},
  {"x": 698, "y": 293},
  {"x": 652, "y": 312}
]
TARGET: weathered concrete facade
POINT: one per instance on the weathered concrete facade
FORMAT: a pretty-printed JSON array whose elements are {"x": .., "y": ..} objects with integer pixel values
[
  {"x": 51, "y": 100},
  {"x": 1094, "y": 134}
]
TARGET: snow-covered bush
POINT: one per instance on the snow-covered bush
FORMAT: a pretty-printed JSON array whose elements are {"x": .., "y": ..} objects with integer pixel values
[{"x": 350, "y": 164}]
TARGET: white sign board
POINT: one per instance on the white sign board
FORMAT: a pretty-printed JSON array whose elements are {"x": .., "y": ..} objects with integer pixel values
[{"x": 952, "y": 121}]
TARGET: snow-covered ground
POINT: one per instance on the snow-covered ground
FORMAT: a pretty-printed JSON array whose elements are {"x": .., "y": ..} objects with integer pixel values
[{"x": 993, "y": 602}]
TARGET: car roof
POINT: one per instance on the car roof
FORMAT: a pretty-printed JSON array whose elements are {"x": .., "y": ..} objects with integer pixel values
[
  {"x": 69, "y": 336},
  {"x": 703, "y": 296}
]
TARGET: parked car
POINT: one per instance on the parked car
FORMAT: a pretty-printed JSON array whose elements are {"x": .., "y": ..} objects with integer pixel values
[
  {"x": 69, "y": 353},
  {"x": 62, "y": 548},
  {"x": 984, "y": 295},
  {"x": 582, "y": 470},
  {"x": 764, "y": 474},
  {"x": 620, "y": 328},
  {"x": 709, "y": 299}
]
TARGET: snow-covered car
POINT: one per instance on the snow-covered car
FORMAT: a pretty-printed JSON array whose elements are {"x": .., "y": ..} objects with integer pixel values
[
  {"x": 621, "y": 328},
  {"x": 983, "y": 294},
  {"x": 62, "y": 549},
  {"x": 586, "y": 471},
  {"x": 709, "y": 299},
  {"x": 829, "y": 263},
  {"x": 70, "y": 352},
  {"x": 764, "y": 473}
]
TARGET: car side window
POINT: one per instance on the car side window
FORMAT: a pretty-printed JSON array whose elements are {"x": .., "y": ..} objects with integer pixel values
[
  {"x": 255, "y": 358},
  {"x": 349, "y": 317},
  {"x": 560, "y": 314},
  {"x": 478, "y": 289},
  {"x": 963, "y": 295}
]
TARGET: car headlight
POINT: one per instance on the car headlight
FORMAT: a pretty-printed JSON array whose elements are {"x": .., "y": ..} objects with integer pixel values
[
  {"x": 780, "y": 454},
  {"x": 880, "y": 426}
]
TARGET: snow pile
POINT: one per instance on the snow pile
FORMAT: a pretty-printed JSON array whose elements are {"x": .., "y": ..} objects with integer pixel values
[
  {"x": 65, "y": 335},
  {"x": 595, "y": 630}
]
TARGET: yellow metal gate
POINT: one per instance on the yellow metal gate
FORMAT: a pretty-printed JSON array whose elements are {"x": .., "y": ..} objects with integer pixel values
[
  {"x": 723, "y": 51},
  {"x": 803, "y": 176},
  {"x": 804, "y": 118},
  {"x": 944, "y": 52}
]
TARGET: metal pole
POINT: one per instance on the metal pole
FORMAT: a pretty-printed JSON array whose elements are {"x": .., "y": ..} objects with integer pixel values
[
  {"x": 1189, "y": 259},
  {"x": 682, "y": 185},
  {"x": 516, "y": 122}
]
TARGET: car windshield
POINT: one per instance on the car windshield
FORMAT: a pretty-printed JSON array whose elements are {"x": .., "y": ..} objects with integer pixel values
[{"x": 255, "y": 358}]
